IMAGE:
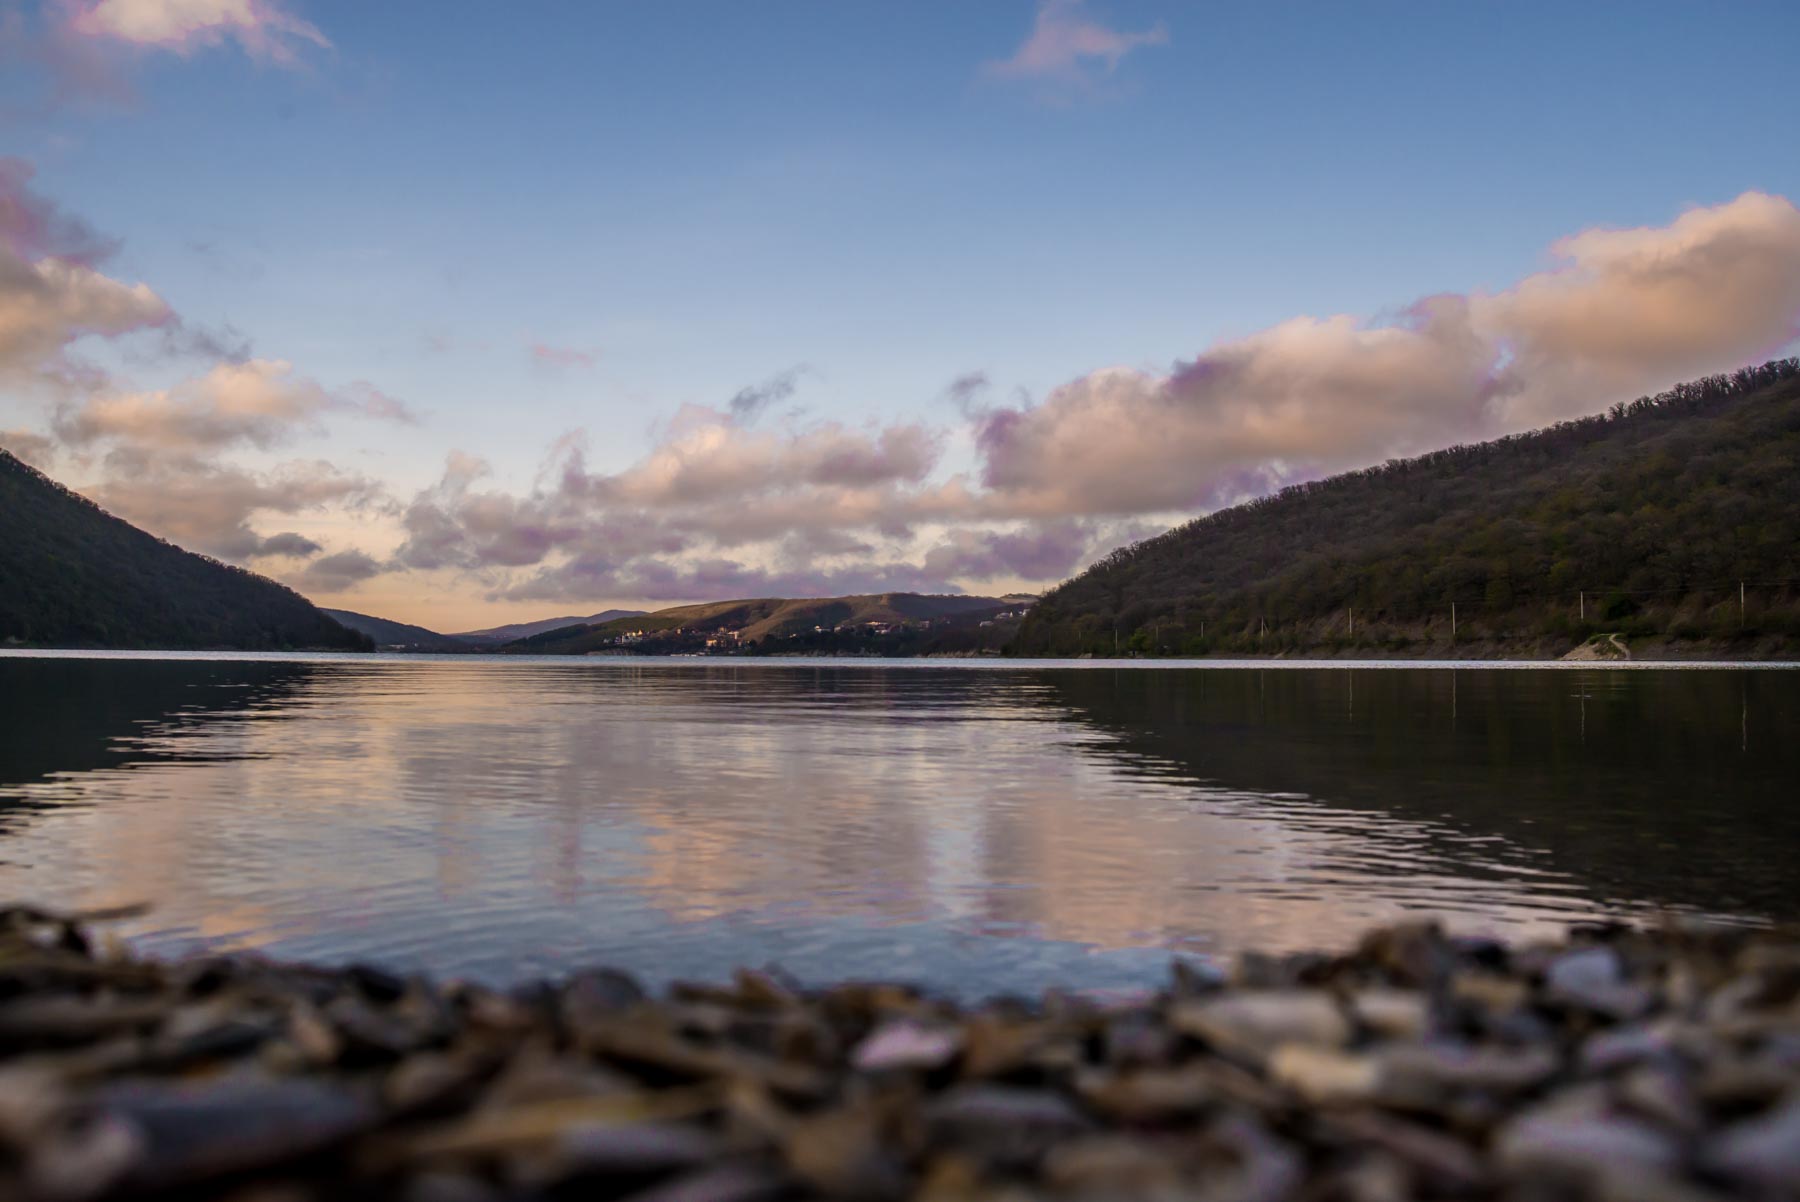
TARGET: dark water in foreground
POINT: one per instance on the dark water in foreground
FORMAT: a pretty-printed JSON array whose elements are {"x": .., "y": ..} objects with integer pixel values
[{"x": 972, "y": 826}]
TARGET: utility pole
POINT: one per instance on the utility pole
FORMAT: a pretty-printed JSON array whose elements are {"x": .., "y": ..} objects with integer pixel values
[
  {"x": 1740, "y": 605},
  {"x": 1584, "y": 607},
  {"x": 1453, "y": 621},
  {"x": 1353, "y": 621}
]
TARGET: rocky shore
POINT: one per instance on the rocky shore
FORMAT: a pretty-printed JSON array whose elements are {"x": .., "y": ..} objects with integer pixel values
[{"x": 1619, "y": 1064}]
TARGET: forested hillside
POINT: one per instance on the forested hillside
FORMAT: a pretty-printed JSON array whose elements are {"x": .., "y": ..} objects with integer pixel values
[
  {"x": 1673, "y": 521},
  {"x": 72, "y": 575}
]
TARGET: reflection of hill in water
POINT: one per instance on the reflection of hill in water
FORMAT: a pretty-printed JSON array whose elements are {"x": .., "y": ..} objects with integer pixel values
[
  {"x": 1671, "y": 788},
  {"x": 76, "y": 715}
]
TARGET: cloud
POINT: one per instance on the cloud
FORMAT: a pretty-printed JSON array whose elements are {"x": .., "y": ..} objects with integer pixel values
[
  {"x": 718, "y": 507},
  {"x": 1625, "y": 312},
  {"x": 545, "y": 355},
  {"x": 1042, "y": 551},
  {"x": 749, "y": 402},
  {"x": 1629, "y": 310},
  {"x": 259, "y": 403},
  {"x": 208, "y": 506},
  {"x": 50, "y": 292},
  {"x": 338, "y": 572},
  {"x": 263, "y": 28},
  {"x": 966, "y": 391},
  {"x": 1065, "y": 46},
  {"x": 287, "y": 545},
  {"x": 38, "y": 450},
  {"x": 33, "y": 227}
]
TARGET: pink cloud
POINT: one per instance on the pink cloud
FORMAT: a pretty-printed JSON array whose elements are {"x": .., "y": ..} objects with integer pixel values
[
  {"x": 1064, "y": 44},
  {"x": 50, "y": 292},
  {"x": 263, "y": 28}
]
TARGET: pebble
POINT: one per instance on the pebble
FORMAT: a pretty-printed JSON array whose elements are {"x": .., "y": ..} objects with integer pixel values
[{"x": 1615, "y": 1064}]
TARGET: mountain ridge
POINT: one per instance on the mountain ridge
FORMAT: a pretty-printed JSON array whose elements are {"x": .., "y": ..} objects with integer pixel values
[
  {"x": 388, "y": 633},
  {"x": 511, "y": 632},
  {"x": 74, "y": 575}
]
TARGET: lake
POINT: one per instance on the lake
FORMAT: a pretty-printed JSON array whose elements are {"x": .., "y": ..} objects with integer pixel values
[{"x": 976, "y": 826}]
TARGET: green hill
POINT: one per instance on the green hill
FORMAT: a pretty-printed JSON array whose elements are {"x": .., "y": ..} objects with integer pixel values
[
  {"x": 391, "y": 635},
  {"x": 72, "y": 575},
  {"x": 1673, "y": 521},
  {"x": 766, "y": 623}
]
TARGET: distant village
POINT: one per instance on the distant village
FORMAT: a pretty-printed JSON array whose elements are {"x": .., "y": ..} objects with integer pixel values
[{"x": 873, "y": 637}]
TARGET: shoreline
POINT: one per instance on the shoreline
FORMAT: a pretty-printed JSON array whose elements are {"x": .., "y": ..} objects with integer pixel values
[
  {"x": 1657, "y": 1065},
  {"x": 875, "y": 661}
]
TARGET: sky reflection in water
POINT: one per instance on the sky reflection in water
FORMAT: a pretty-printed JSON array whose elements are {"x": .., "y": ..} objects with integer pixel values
[{"x": 978, "y": 829}]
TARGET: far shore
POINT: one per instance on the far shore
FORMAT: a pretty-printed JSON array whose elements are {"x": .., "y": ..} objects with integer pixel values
[{"x": 1344, "y": 660}]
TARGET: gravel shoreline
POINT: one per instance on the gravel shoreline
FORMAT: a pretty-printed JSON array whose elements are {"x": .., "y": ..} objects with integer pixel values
[{"x": 1622, "y": 1064}]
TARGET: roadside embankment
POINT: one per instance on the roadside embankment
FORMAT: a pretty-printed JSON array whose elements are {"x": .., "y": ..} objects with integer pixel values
[{"x": 1656, "y": 1066}]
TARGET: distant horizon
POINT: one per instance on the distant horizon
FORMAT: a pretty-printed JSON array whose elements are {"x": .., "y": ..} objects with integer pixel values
[{"x": 473, "y": 321}]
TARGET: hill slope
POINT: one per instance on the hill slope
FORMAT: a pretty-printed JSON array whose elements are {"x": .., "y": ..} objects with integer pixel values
[
  {"x": 1642, "y": 521},
  {"x": 496, "y": 635},
  {"x": 390, "y": 634},
  {"x": 765, "y": 620},
  {"x": 72, "y": 575}
]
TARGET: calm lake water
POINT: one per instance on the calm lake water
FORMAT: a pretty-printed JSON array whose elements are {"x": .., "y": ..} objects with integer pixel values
[{"x": 978, "y": 827}]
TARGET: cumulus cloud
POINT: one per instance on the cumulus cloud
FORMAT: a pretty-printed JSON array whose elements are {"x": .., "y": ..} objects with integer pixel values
[
  {"x": 337, "y": 573},
  {"x": 50, "y": 290},
  {"x": 719, "y": 506},
  {"x": 1066, "y": 46},
  {"x": 260, "y": 403},
  {"x": 205, "y": 505},
  {"x": 263, "y": 28},
  {"x": 157, "y": 457},
  {"x": 1625, "y": 312},
  {"x": 1628, "y": 310},
  {"x": 1033, "y": 551}
]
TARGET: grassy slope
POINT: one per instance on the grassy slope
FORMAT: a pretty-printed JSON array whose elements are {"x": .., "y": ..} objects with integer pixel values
[
  {"x": 1654, "y": 511},
  {"x": 72, "y": 575}
]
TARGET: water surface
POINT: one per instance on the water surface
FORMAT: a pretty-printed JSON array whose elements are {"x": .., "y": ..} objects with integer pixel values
[{"x": 974, "y": 826}]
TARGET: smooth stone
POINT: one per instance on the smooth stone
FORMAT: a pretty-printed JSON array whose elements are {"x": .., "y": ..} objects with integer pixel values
[
  {"x": 1253, "y": 1024},
  {"x": 1594, "y": 978},
  {"x": 1422, "y": 1072},
  {"x": 1556, "y": 1143},
  {"x": 1322, "y": 1075},
  {"x": 906, "y": 1045},
  {"x": 1764, "y": 1151},
  {"x": 192, "y": 1131},
  {"x": 1392, "y": 1013}
]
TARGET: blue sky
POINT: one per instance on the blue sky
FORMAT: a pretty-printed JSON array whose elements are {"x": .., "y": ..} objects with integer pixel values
[{"x": 676, "y": 201}]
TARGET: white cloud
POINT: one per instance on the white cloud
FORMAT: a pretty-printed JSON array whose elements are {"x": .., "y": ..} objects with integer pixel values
[{"x": 263, "y": 28}]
